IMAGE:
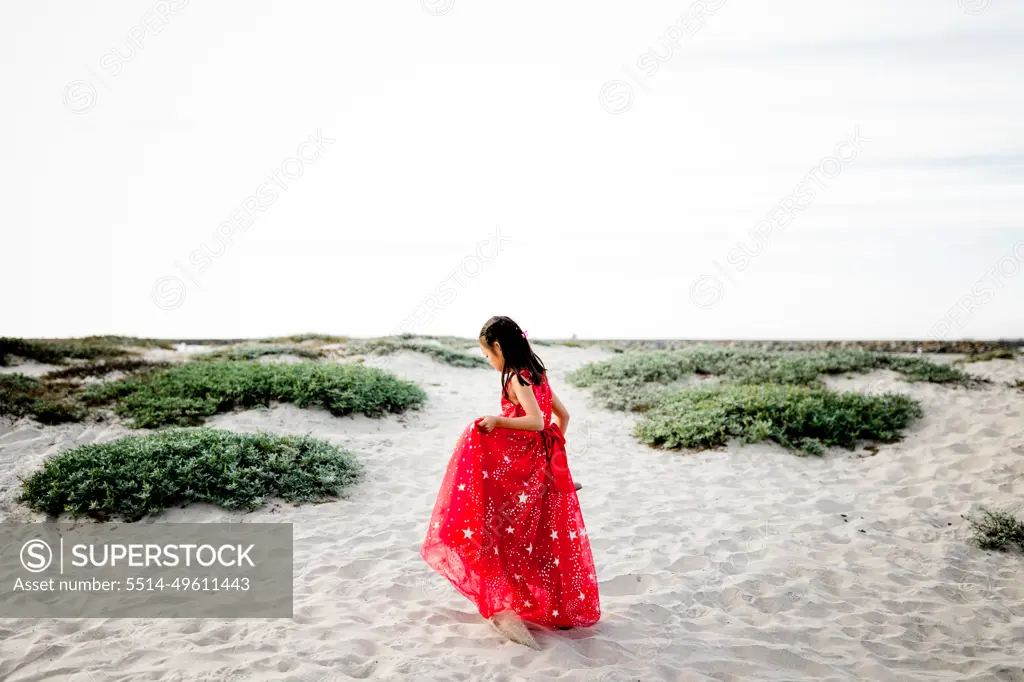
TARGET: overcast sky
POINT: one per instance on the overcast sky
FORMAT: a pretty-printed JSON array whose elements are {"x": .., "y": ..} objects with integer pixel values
[{"x": 603, "y": 169}]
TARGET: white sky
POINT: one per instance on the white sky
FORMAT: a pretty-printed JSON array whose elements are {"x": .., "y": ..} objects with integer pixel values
[{"x": 449, "y": 125}]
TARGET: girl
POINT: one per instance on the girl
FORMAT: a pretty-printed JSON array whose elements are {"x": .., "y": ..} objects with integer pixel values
[{"x": 507, "y": 530}]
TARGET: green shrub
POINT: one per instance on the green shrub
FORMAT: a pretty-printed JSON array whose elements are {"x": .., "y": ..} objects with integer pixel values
[
  {"x": 113, "y": 340},
  {"x": 996, "y": 354},
  {"x": 58, "y": 351},
  {"x": 997, "y": 529},
  {"x": 17, "y": 393},
  {"x": 922, "y": 369},
  {"x": 104, "y": 367},
  {"x": 633, "y": 380},
  {"x": 256, "y": 352},
  {"x": 300, "y": 338},
  {"x": 457, "y": 342},
  {"x": 901, "y": 346},
  {"x": 796, "y": 417},
  {"x": 392, "y": 345},
  {"x": 139, "y": 475},
  {"x": 448, "y": 356},
  {"x": 187, "y": 394},
  {"x": 47, "y": 403},
  {"x": 57, "y": 397}
]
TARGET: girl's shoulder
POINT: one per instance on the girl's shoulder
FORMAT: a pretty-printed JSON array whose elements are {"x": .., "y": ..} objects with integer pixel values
[
  {"x": 531, "y": 379},
  {"x": 528, "y": 379}
]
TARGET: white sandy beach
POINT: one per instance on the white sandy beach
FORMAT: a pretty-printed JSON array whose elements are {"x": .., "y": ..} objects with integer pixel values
[{"x": 747, "y": 563}]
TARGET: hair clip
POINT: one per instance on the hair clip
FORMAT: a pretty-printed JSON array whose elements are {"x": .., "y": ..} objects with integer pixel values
[{"x": 524, "y": 333}]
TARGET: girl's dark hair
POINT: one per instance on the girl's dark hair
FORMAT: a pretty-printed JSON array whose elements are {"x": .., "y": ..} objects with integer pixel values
[{"x": 516, "y": 350}]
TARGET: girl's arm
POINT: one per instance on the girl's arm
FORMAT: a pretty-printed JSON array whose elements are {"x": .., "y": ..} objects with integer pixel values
[
  {"x": 533, "y": 421},
  {"x": 561, "y": 414}
]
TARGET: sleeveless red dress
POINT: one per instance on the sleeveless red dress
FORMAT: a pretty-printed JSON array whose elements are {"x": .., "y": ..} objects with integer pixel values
[{"x": 507, "y": 530}]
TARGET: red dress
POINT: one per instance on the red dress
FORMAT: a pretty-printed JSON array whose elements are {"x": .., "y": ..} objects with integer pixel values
[{"x": 507, "y": 530}]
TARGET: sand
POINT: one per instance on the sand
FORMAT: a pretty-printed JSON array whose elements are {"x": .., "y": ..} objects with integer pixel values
[{"x": 746, "y": 563}]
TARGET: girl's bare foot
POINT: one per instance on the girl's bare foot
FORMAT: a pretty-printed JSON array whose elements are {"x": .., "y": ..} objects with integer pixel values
[{"x": 510, "y": 625}]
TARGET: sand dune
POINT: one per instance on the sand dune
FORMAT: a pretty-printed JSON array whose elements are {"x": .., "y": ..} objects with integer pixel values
[{"x": 747, "y": 563}]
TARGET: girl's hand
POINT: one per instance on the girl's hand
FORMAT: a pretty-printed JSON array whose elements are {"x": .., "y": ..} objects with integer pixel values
[{"x": 487, "y": 424}]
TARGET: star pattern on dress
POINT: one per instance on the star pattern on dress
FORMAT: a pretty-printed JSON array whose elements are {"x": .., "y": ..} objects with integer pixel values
[{"x": 538, "y": 514}]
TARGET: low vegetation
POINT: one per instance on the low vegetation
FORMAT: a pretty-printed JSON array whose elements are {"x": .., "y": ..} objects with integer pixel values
[
  {"x": 967, "y": 347},
  {"x": 103, "y": 368},
  {"x": 635, "y": 380},
  {"x": 796, "y": 417},
  {"x": 155, "y": 394},
  {"x": 997, "y": 354},
  {"x": 456, "y": 342},
  {"x": 131, "y": 341},
  {"x": 46, "y": 402},
  {"x": 187, "y": 394},
  {"x": 59, "y": 351},
  {"x": 922, "y": 369},
  {"x": 256, "y": 352},
  {"x": 60, "y": 396},
  {"x": 997, "y": 529},
  {"x": 139, "y": 475},
  {"x": 440, "y": 353},
  {"x": 303, "y": 338},
  {"x": 703, "y": 396}
]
